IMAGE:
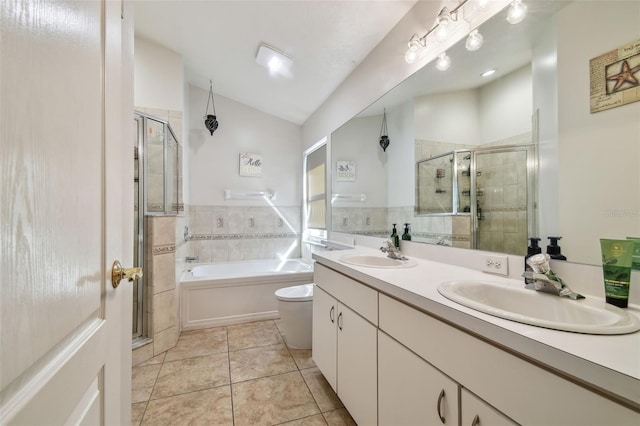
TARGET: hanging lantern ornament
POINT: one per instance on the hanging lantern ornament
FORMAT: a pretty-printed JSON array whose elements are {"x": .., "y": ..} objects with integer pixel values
[
  {"x": 210, "y": 121},
  {"x": 384, "y": 138}
]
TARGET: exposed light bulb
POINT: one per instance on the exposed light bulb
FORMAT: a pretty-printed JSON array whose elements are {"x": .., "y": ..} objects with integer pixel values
[
  {"x": 443, "y": 21},
  {"x": 517, "y": 12},
  {"x": 479, "y": 5},
  {"x": 443, "y": 62},
  {"x": 474, "y": 41},
  {"x": 411, "y": 55},
  {"x": 412, "y": 52}
]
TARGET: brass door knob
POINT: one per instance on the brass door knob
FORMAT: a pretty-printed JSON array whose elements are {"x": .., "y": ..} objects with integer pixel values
[{"x": 118, "y": 273}]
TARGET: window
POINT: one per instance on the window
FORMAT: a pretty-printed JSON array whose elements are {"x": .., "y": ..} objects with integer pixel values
[{"x": 315, "y": 178}]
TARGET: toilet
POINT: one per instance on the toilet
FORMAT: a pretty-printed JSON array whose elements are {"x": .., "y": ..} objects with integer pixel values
[{"x": 295, "y": 305}]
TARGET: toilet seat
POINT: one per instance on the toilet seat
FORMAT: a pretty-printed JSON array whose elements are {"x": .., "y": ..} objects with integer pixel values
[{"x": 296, "y": 293}]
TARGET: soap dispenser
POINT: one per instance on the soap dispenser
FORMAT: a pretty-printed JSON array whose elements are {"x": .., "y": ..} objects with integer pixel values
[
  {"x": 531, "y": 250},
  {"x": 553, "y": 249},
  {"x": 394, "y": 237},
  {"x": 406, "y": 236}
]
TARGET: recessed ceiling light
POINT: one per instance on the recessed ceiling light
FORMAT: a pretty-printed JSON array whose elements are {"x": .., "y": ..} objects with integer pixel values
[
  {"x": 274, "y": 60},
  {"x": 487, "y": 73}
]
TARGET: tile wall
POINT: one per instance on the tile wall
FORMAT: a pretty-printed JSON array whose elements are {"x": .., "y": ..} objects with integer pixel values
[
  {"x": 224, "y": 233},
  {"x": 164, "y": 244}
]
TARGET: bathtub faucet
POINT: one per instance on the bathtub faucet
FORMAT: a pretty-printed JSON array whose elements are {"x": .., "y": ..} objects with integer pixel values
[{"x": 192, "y": 259}]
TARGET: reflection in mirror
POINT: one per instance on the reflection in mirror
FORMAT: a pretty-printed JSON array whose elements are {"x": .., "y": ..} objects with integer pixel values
[{"x": 538, "y": 96}]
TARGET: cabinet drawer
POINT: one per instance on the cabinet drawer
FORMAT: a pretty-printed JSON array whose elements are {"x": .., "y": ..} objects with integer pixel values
[
  {"x": 351, "y": 293},
  {"x": 524, "y": 392}
]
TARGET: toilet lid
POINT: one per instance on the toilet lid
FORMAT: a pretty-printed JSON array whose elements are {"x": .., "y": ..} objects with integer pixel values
[{"x": 297, "y": 293}]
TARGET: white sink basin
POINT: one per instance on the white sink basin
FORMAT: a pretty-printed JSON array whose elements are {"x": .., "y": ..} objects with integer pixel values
[
  {"x": 588, "y": 316},
  {"x": 376, "y": 261}
]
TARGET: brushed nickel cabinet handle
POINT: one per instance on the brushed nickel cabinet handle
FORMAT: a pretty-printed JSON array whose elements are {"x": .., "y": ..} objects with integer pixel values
[{"x": 439, "y": 407}]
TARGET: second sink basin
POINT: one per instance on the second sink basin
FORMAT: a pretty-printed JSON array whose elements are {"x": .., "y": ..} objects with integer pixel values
[
  {"x": 376, "y": 261},
  {"x": 545, "y": 310}
]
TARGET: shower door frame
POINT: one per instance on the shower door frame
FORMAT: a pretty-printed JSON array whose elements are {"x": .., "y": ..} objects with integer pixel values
[{"x": 139, "y": 337}]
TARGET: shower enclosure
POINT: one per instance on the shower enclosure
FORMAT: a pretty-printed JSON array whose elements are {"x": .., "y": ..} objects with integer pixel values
[
  {"x": 157, "y": 192},
  {"x": 490, "y": 191}
]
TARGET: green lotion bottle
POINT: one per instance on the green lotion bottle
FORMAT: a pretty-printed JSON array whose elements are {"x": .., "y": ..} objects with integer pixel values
[
  {"x": 406, "y": 236},
  {"x": 394, "y": 237}
]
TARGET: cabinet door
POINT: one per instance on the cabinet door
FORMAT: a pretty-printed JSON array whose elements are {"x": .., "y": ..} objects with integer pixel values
[
  {"x": 357, "y": 366},
  {"x": 411, "y": 391},
  {"x": 476, "y": 412},
  {"x": 324, "y": 339}
]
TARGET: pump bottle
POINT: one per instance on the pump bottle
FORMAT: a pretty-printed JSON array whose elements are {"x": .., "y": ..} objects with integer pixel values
[
  {"x": 394, "y": 237},
  {"x": 531, "y": 250},
  {"x": 553, "y": 249}
]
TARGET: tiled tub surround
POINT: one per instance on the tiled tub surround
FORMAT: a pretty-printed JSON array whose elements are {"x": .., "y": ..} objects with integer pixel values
[
  {"x": 235, "y": 375},
  {"x": 223, "y": 234}
]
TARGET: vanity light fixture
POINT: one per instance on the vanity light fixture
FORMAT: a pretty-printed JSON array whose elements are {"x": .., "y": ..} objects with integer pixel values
[
  {"x": 443, "y": 62},
  {"x": 384, "y": 133},
  {"x": 474, "y": 41},
  {"x": 277, "y": 62},
  {"x": 517, "y": 12},
  {"x": 210, "y": 120},
  {"x": 442, "y": 29}
]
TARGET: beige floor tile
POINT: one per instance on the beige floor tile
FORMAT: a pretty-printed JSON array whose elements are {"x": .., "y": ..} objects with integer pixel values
[
  {"x": 272, "y": 400},
  {"x": 325, "y": 397},
  {"x": 141, "y": 395},
  {"x": 302, "y": 357},
  {"x": 339, "y": 417},
  {"x": 259, "y": 362},
  {"x": 317, "y": 420},
  {"x": 158, "y": 359},
  {"x": 144, "y": 376},
  {"x": 192, "y": 374},
  {"x": 251, "y": 335},
  {"x": 204, "y": 342},
  {"x": 137, "y": 410},
  {"x": 207, "y": 407}
]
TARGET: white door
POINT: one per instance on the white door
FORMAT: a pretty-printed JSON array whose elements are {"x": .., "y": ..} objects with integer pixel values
[{"x": 65, "y": 208}]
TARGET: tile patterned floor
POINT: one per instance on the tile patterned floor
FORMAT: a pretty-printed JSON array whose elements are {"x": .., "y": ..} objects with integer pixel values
[{"x": 236, "y": 375}]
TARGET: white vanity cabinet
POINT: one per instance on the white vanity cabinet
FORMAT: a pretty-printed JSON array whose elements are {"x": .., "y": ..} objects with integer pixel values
[
  {"x": 345, "y": 315},
  {"x": 523, "y": 392},
  {"x": 475, "y": 412},
  {"x": 411, "y": 391}
]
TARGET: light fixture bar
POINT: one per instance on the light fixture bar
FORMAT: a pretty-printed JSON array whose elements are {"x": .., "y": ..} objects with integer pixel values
[{"x": 443, "y": 21}]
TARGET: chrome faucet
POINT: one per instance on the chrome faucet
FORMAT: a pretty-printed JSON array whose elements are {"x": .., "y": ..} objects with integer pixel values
[
  {"x": 391, "y": 250},
  {"x": 545, "y": 280},
  {"x": 192, "y": 259}
]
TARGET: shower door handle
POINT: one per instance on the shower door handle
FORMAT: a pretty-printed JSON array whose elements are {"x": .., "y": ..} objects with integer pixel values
[{"x": 118, "y": 273}]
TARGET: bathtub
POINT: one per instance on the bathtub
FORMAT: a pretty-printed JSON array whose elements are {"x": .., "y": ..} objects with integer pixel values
[{"x": 227, "y": 293}]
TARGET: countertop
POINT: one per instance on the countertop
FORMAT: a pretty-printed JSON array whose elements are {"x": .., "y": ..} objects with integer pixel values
[{"x": 606, "y": 363}]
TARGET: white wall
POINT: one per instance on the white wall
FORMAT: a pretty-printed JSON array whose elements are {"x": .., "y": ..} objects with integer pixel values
[
  {"x": 159, "y": 77},
  {"x": 401, "y": 166},
  {"x": 505, "y": 106},
  {"x": 599, "y": 153},
  {"x": 451, "y": 117},
  {"x": 214, "y": 160},
  {"x": 544, "y": 66},
  {"x": 358, "y": 141}
]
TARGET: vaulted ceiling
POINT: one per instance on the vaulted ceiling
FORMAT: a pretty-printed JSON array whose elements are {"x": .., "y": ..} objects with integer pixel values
[{"x": 218, "y": 40}]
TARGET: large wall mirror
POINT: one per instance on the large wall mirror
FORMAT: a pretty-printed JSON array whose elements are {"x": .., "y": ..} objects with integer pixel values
[{"x": 483, "y": 162}]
